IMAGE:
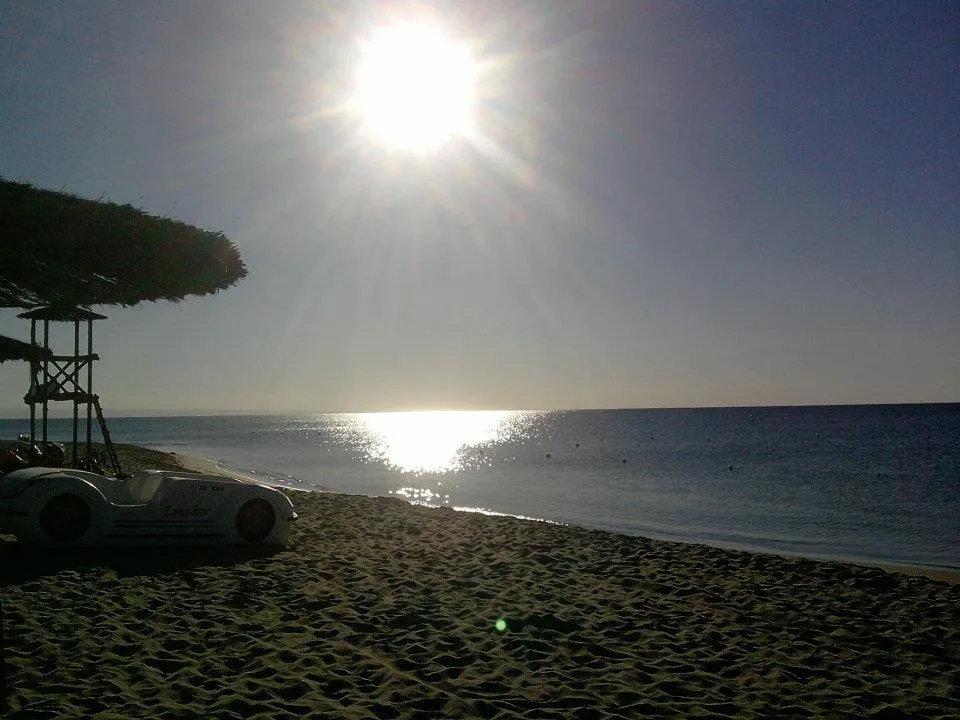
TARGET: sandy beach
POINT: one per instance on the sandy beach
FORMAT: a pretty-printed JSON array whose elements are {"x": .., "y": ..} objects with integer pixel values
[{"x": 379, "y": 609}]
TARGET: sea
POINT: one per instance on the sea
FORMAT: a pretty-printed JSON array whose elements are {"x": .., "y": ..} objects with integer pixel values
[{"x": 873, "y": 483}]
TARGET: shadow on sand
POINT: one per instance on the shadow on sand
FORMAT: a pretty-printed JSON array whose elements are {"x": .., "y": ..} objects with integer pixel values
[{"x": 20, "y": 562}]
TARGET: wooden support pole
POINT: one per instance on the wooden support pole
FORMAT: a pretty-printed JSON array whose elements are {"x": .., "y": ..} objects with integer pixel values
[
  {"x": 89, "y": 384},
  {"x": 46, "y": 379},
  {"x": 76, "y": 385},
  {"x": 34, "y": 369}
]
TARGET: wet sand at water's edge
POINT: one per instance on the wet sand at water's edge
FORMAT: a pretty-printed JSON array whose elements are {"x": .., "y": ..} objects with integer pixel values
[{"x": 384, "y": 610}]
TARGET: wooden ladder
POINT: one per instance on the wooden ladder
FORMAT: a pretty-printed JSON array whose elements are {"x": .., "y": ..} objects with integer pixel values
[{"x": 107, "y": 442}]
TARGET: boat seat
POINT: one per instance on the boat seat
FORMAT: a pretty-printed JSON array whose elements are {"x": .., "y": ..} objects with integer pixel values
[
  {"x": 137, "y": 490},
  {"x": 142, "y": 487}
]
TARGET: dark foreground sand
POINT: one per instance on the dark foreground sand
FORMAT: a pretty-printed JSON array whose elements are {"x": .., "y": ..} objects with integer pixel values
[{"x": 384, "y": 610}]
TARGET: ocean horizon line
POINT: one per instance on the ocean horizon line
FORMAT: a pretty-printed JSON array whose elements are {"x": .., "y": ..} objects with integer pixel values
[{"x": 9, "y": 414}]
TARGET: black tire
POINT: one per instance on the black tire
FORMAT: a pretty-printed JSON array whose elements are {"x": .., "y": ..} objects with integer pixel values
[
  {"x": 255, "y": 520},
  {"x": 65, "y": 518}
]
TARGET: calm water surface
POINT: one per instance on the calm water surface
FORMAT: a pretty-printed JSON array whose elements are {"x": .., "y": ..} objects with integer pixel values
[{"x": 878, "y": 483}]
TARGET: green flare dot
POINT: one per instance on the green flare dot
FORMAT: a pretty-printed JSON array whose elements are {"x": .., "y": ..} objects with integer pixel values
[{"x": 500, "y": 624}]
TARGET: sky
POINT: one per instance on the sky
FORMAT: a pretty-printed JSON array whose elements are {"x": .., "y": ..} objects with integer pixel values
[{"x": 662, "y": 204}]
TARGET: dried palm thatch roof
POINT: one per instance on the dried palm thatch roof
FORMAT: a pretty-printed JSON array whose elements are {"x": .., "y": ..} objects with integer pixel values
[
  {"x": 59, "y": 249},
  {"x": 13, "y": 349}
]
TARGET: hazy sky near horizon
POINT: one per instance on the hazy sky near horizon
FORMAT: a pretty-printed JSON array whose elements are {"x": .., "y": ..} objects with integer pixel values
[{"x": 664, "y": 204}]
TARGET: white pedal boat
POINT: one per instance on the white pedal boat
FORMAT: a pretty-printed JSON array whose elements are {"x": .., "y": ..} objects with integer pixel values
[{"x": 62, "y": 506}]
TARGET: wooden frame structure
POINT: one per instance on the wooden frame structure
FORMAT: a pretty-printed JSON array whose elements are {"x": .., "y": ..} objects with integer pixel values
[{"x": 67, "y": 378}]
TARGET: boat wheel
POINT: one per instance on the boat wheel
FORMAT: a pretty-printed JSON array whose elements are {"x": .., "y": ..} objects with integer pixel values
[
  {"x": 64, "y": 518},
  {"x": 255, "y": 520}
]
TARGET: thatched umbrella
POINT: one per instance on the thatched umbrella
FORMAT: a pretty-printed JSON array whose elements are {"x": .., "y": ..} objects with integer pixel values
[
  {"x": 59, "y": 249},
  {"x": 13, "y": 349}
]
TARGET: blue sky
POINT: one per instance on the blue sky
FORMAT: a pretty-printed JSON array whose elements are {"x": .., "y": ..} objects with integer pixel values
[{"x": 667, "y": 204}]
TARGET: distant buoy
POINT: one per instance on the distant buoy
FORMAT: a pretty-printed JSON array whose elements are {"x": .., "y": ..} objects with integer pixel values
[
  {"x": 548, "y": 455},
  {"x": 730, "y": 466},
  {"x": 576, "y": 444},
  {"x": 624, "y": 461}
]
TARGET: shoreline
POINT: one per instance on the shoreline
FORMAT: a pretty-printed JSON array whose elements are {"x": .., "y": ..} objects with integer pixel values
[{"x": 198, "y": 463}]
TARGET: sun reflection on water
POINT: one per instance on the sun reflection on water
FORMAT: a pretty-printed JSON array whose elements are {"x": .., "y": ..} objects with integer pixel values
[{"x": 429, "y": 442}]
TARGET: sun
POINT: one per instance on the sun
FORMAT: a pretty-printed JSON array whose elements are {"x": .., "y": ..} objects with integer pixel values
[{"x": 414, "y": 87}]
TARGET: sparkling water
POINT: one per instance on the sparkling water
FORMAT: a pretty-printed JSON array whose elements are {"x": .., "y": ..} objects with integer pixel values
[{"x": 876, "y": 483}]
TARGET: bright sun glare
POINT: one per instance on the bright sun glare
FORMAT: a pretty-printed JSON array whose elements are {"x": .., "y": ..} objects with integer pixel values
[
  {"x": 415, "y": 87},
  {"x": 430, "y": 441}
]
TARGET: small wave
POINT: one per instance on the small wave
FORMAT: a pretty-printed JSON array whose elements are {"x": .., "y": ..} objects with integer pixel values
[{"x": 495, "y": 513}]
